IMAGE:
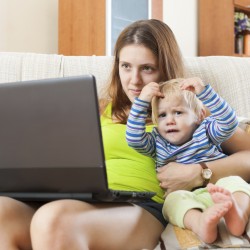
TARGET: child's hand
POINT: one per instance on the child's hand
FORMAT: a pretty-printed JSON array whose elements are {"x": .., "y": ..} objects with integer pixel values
[
  {"x": 193, "y": 84},
  {"x": 149, "y": 91}
]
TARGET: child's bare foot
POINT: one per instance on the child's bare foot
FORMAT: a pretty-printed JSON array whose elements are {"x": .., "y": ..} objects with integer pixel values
[
  {"x": 236, "y": 219},
  {"x": 206, "y": 226}
]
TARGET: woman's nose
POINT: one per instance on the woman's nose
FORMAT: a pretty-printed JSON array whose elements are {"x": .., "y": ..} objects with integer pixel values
[{"x": 136, "y": 77}]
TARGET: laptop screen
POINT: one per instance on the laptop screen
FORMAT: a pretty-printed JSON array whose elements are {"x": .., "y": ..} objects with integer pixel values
[{"x": 50, "y": 136}]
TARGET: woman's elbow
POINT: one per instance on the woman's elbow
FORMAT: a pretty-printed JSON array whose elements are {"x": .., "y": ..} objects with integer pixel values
[{"x": 239, "y": 141}]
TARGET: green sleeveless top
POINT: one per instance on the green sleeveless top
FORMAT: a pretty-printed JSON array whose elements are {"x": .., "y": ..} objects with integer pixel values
[{"x": 126, "y": 168}]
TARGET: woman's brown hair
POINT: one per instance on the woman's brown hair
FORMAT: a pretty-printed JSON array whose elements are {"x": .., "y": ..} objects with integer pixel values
[{"x": 159, "y": 38}]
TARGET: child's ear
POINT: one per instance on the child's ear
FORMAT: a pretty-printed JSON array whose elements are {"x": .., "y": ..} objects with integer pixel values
[{"x": 202, "y": 115}]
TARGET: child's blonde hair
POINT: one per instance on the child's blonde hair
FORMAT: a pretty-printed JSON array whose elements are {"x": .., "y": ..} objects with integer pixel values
[{"x": 173, "y": 88}]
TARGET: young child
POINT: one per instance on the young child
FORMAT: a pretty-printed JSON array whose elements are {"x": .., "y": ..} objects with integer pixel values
[{"x": 184, "y": 135}]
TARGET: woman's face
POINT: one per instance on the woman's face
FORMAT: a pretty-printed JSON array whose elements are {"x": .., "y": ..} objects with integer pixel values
[{"x": 137, "y": 67}]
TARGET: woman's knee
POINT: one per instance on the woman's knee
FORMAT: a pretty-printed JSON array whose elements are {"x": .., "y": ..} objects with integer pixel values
[
  {"x": 48, "y": 217},
  {"x": 15, "y": 218},
  {"x": 52, "y": 223},
  {"x": 7, "y": 208},
  {"x": 13, "y": 210}
]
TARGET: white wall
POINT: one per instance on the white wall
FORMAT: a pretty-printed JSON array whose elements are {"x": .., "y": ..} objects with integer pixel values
[
  {"x": 32, "y": 25},
  {"x": 29, "y": 26},
  {"x": 182, "y": 18}
]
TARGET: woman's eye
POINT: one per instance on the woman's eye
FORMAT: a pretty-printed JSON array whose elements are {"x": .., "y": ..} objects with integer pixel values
[
  {"x": 125, "y": 66},
  {"x": 147, "y": 68}
]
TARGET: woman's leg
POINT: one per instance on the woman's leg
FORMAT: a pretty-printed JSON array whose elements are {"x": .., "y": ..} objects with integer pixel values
[
  {"x": 15, "y": 218},
  {"x": 74, "y": 225}
]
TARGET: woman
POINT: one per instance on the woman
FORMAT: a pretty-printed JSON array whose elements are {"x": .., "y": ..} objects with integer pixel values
[{"x": 145, "y": 51}]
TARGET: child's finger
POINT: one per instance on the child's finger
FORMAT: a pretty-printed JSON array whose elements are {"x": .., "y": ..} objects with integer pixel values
[{"x": 159, "y": 94}]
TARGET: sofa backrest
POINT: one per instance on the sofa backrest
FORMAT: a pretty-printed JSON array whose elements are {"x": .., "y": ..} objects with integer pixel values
[{"x": 230, "y": 76}]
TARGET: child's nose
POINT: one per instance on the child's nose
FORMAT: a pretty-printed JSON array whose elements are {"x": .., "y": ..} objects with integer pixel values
[{"x": 170, "y": 119}]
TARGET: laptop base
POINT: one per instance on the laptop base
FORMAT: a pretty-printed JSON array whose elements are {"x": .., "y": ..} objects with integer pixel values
[{"x": 109, "y": 196}]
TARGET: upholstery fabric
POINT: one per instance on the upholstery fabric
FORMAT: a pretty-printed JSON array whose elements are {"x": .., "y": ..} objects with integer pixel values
[{"x": 230, "y": 76}]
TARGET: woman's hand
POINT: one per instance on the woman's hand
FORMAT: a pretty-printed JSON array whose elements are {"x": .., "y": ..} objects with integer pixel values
[{"x": 176, "y": 176}]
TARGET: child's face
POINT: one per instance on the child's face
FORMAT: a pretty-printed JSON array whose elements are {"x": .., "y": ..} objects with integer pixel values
[{"x": 176, "y": 120}]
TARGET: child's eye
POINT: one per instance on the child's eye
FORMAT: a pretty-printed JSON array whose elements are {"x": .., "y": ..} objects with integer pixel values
[
  {"x": 162, "y": 115},
  {"x": 178, "y": 112}
]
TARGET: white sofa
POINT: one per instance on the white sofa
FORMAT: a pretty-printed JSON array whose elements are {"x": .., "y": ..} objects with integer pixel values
[{"x": 230, "y": 76}]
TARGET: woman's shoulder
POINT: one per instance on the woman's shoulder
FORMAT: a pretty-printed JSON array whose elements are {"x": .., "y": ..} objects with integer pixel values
[
  {"x": 105, "y": 109},
  {"x": 104, "y": 104}
]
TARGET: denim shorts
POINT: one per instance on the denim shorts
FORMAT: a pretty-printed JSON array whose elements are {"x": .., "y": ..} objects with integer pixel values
[{"x": 154, "y": 208}]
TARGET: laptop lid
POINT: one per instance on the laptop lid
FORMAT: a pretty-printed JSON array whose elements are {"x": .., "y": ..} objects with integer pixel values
[
  {"x": 50, "y": 141},
  {"x": 51, "y": 125}
]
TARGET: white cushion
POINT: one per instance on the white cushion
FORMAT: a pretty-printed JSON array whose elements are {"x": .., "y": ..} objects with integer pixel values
[{"x": 230, "y": 77}]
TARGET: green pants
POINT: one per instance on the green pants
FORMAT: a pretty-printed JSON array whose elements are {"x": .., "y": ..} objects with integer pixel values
[{"x": 179, "y": 202}]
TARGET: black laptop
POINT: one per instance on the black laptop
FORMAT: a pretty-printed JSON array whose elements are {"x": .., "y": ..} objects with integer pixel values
[{"x": 51, "y": 143}]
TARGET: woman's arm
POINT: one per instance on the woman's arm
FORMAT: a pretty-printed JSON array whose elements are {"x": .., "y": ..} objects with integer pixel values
[
  {"x": 176, "y": 176},
  {"x": 239, "y": 141},
  {"x": 238, "y": 161},
  {"x": 235, "y": 164}
]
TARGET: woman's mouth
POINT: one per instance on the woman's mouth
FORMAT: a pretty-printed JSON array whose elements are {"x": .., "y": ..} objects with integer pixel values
[{"x": 136, "y": 91}]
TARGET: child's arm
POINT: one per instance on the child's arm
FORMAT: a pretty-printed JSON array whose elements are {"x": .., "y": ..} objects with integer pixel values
[
  {"x": 224, "y": 117},
  {"x": 149, "y": 91},
  {"x": 136, "y": 135}
]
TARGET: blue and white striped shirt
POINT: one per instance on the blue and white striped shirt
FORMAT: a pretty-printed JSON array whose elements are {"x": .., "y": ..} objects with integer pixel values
[{"x": 206, "y": 140}]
